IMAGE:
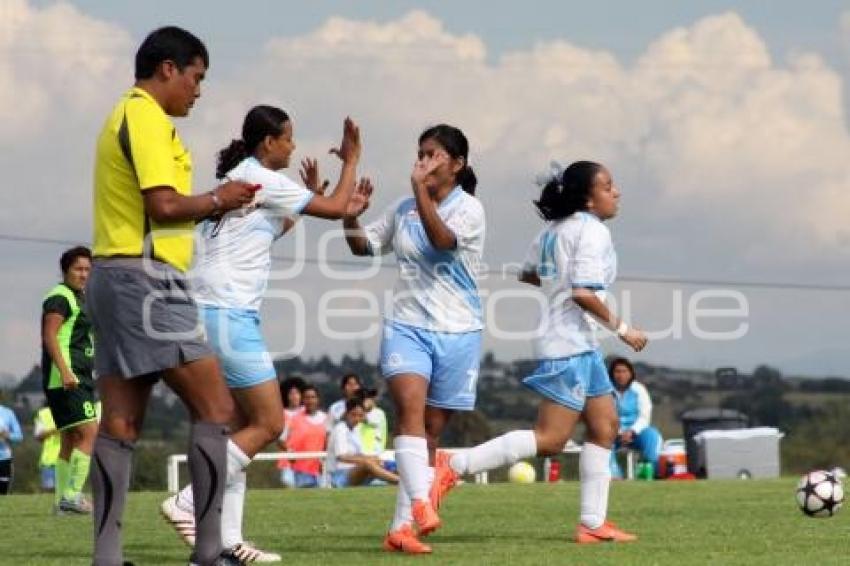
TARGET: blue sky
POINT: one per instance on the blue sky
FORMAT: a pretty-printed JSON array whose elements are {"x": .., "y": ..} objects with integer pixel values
[{"x": 725, "y": 124}]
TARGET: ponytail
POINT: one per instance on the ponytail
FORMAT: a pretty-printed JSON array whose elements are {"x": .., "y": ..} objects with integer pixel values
[
  {"x": 230, "y": 157},
  {"x": 467, "y": 180},
  {"x": 260, "y": 122},
  {"x": 569, "y": 192}
]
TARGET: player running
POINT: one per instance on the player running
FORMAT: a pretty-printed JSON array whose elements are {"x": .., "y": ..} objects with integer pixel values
[
  {"x": 574, "y": 262},
  {"x": 67, "y": 358},
  {"x": 230, "y": 277},
  {"x": 430, "y": 351}
]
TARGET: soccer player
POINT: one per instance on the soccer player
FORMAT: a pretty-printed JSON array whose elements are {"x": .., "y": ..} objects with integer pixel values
[
  {"x": 146, "y": 323},
  {"x": 230, "y": 275},
  {"x": 44, "y": 430},
  {"x": 10, "y": 432},
  {"x": 66, "y": 362},
  {"x": 348, "y": 464},
  {"x": 430, "y": 352},
  {"x": 573, "y": 260},
  {"x": 634, "y": 408}
]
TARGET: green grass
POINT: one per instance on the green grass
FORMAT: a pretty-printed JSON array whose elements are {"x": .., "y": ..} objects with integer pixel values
[{"x": 693, "y": 523}]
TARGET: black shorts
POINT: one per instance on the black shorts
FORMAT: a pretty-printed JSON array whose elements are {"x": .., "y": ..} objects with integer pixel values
[{"x": 71, "y": 407}]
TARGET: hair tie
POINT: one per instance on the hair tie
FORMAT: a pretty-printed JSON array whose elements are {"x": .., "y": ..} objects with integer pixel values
[{"x": 554, "y": 173}]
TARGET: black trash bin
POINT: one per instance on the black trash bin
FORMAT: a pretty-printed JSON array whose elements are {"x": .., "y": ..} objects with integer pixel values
[{"x": 698, "y": 420}]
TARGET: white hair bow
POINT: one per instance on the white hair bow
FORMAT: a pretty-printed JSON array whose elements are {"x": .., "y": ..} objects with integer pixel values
[{"x": 555, "y": 173}]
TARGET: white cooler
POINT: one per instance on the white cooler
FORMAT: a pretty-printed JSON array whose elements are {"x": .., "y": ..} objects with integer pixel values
[{"x": 740, "y": 453}]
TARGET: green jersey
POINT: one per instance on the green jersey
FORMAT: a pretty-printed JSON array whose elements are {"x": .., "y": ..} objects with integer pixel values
[{"x": 74, "y": 336}]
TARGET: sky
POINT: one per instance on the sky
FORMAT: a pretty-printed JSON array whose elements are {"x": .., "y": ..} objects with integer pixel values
[{"x": 725, "y": 125}]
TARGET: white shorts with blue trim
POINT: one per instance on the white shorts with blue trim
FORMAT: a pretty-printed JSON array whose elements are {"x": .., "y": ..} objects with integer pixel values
[
  {"x": 570, "y": 381},
  {"x": 448, "y": 360},
  {"x": 235, "y": 337}
]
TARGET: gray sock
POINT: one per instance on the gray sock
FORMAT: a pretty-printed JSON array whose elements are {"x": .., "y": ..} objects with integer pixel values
[
  {"x": 208, "y": 470},
  {"x": 110, "y": 480}
]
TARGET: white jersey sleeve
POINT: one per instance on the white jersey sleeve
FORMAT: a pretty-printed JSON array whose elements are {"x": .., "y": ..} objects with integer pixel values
[
  {"x": 589, "y": 263},
  {"x": 532, "y": 257},
  {"x": 644, "y": 407},
  {"x": 283, "y": 196},
  {"x": 380, "y": 232},
  {"x": 468, "y": 227}
]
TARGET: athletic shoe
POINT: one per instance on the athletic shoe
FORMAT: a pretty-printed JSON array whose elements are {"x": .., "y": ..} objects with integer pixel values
[
  {"x": 608, "y": 532},
  {"x": 445, "y": 478},
  {"x": 77, "y": 506},
  {"x": 404, "y": 540},
  {"x": 226, "y": 558},
  {"x": 247, "y": 552},
  {"x": 426, "y": 518},
  {"x": 182, "y": 521}
]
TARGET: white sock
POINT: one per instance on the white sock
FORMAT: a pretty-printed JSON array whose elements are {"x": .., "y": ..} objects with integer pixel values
[
  {"x": 234, "y": 495},
  {"x": 236, "y": 461},
  {"x": 185, "y": 500},
  {"x": 232, "y": 506},
  {"x": 595, "y": 476},
  {"x": 411, "y": 456},
  {"x": 402, "y": 509},
  {"x": 506, "y": 449}
]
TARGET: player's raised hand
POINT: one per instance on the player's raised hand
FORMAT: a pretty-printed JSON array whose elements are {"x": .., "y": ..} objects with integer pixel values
[
  {"x": 310, "y": 176},
  {"x": 359, "y": 201},
  {"x": 235, "y": 194},
  {"x": 350, "y": 147},
  {"x": 426, "y": 166},
  {"x": 635, "y": 339}
]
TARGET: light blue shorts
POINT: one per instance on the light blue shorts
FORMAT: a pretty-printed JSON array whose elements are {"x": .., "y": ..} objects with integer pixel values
[
  {"x": 569, "y": 381},
  {"x": 448, "y": 360},
  {"x": 235, "y": 337},
  {"x": 339, "y": 478}
]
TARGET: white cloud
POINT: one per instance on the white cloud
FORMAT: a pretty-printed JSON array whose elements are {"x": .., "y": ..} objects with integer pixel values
[{"x": 730, "y": 162}]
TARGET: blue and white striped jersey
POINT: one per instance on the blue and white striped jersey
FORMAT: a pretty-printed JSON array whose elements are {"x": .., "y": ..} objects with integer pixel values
[{"x": 436, "y": 290}]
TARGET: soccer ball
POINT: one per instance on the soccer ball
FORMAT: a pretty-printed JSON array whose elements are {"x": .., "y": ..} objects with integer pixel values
[
  {"x": 819, "y": 494},
  {"x": 522, "y": 472}
]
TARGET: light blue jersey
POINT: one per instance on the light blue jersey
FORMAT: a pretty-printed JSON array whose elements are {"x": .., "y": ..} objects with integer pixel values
[
  {"x": 436, "y": 289},
  {"x": 634, "y": 407},
  {"x": 11, "y": 427}
]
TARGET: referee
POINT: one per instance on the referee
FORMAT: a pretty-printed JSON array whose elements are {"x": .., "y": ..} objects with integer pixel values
[{"x": 145, "y": 321}]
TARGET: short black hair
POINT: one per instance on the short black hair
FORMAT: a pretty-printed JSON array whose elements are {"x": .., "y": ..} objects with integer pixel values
[
  {"x": 169, "y": 43},
  {"x": 70, "y": 256},
  {"x": 353, "y": 403},
  {"x": 311, "y": 387}
]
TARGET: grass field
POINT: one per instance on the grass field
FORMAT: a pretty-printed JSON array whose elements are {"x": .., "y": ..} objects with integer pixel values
[{"x": 717, "y": 523}]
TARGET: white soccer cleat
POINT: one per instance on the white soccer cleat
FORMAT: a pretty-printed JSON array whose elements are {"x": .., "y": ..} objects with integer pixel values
[
  {"x": 247, "y": 553},
  {"x": 182, "y": 521}
]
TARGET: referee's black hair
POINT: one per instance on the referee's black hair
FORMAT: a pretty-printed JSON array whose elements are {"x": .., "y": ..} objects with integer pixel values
[
  {"x": 70, "y": 256},
  {"x": 260, "y": 121},
  {"x": 456, "y": 145},
  {"x": 562, "y": 197},
  {"x": 169, "y": 43}
]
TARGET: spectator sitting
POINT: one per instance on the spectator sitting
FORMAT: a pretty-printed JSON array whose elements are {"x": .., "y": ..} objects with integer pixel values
[
  {"x": 347, "y": 464},
  {"x": 634, "y": 408},
  {"x": 350, "y": 385},
  {"x": 44, "y": 430},
  {"x": 373, "y": 430},
  {"x": 291, "y": 390},
  {"x": 306, "y": 432}
]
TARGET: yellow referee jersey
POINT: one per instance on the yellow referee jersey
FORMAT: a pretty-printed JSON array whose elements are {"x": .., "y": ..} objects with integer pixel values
[{"x": 138, "y": 149}]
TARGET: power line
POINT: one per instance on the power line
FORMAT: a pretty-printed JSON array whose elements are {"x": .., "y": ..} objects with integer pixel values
[{"x": 623, "y": 278}]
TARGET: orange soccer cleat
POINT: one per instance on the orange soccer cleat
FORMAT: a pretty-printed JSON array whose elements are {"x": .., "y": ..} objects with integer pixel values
[
  {"x": 425, "y": 516},
  {"x": 404, "y": 540},
  {"x": 445, "y": 478},
  {"x": 608, "y": 532}
]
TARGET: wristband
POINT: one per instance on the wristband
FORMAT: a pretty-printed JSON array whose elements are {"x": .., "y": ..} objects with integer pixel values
[
  {"x": 623, "y": 329},
  {"x": 216, "y": 202}
]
